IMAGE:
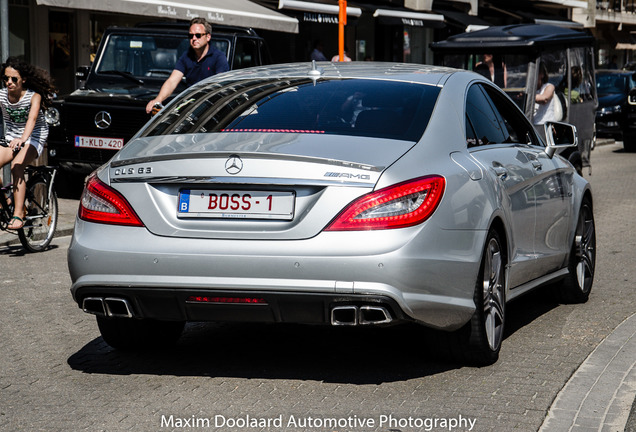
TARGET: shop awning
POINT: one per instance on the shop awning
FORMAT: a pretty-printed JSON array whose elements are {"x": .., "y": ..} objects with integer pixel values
[
  {"x": 568, "y": 3},
  {"x": 405, "y": 17},
  {"x": 532, "y": 16},
  {"x": 241, "y": 13},
  {"x": 463, "y": 20},
  {"x": 305, "y": 6},
  {"x": 318, "y": 12},
  {"x": 623, "y": 40}
]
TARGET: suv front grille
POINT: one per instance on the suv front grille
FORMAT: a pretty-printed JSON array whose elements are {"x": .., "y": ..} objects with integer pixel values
[{"x": 126, "y": 121}]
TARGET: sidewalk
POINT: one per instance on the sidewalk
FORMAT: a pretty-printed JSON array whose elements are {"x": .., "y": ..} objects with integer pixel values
[{"x": 600, "y": 394}]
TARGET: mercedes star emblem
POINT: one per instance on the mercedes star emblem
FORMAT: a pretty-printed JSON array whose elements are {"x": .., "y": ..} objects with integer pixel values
[
  {"x": 233, "y": 165},
  {"x": 103, "y": 120}
]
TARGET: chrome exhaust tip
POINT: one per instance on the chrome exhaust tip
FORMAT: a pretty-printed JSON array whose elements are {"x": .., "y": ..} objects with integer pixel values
[
  {"x": 344, "y": 316},
  {"x": 374, "y": 315},
  {"x": 118, "y": 307},
  {"x": 94, "y": 305}
]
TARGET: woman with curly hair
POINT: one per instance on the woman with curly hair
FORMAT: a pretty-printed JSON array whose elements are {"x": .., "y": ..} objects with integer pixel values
[{"x": 25, "y": 91}]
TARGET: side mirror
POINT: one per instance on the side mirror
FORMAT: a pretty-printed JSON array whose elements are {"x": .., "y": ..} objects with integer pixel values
[
  {"x": 82, "y": 72},
  {"x": 559, "y": 135},
  {"x": 631, "y": 96}
]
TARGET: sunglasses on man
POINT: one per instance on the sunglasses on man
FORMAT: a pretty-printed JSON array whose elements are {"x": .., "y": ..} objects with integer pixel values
[
  {"x": 8, "y": 78},
  {"x": 196, "y": 35}
]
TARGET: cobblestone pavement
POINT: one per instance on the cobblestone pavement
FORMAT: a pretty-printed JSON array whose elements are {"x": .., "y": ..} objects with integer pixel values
[{"x": 56, "y": 373}]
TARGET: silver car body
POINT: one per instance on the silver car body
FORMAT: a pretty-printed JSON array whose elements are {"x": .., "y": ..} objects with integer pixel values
[{"x": 424, "y": 273}]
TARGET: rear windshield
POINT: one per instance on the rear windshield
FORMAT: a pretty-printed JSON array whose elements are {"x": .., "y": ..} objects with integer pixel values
[{"x": 358, "y": 107}]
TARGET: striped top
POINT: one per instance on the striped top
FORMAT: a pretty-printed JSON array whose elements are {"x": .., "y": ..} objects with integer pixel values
[{"x": 15, "y": 117}]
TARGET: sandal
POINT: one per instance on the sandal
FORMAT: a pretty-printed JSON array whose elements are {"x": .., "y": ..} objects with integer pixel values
[{"x": 18, "y": 218}]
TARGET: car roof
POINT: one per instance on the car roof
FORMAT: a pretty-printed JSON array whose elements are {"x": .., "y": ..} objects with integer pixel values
[
  {"x": 407, "y": 72},
  {"x": 502, "y": 38}
]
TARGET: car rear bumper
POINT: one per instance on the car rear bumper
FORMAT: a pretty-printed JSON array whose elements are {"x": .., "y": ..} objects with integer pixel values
[
  {"x": 265, "y": 306},
  {"x": 157, "y": 275},
  {"x": 611, "y": 125}
]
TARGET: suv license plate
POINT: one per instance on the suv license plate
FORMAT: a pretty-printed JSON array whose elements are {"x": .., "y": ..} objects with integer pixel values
[
  {"x": 99, "y": 142},
  {"x": 236, "y": 204}
]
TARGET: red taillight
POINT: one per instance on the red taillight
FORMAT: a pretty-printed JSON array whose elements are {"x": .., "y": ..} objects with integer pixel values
[
  {"x": 399, "y": 206},
  {"x": 103, "y": 204}
]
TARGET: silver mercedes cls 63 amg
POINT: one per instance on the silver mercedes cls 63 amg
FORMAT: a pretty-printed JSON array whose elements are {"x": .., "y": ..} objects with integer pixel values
[{"x": 346, "y": 194}]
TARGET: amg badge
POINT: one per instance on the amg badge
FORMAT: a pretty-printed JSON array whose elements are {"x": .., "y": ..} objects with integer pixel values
[{"x": 348, "y": 175}]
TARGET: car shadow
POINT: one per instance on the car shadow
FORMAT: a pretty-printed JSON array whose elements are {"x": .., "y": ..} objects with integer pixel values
[
  {"x": 276, "y": 351},
  {"x": 525, "y": 309},
  {"x": 352, "y": 355}
]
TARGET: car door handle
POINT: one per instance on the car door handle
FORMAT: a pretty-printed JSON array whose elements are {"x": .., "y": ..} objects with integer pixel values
[
  {"x": 538, "y": 166},
  {"x": 501, "y": 172}
]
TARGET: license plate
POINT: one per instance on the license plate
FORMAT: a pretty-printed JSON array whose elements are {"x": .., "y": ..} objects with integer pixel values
[
  {"x": 99, "y": 142},
  {"x": 235, "y": 204}
]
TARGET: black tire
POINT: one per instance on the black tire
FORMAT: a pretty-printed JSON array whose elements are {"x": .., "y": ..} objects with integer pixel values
[
  {"x": 41, "y": 216},
  {"x": 577, "y": 285},
  {"x": 629, "y": 142},
  {"x": 479, "y": 341},
  {"x": 577, "y": 162},
  {"x": 131, "y": 333}
]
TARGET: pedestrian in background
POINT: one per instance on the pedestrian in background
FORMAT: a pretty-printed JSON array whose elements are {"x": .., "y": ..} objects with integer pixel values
[
  {"x": 345, "y": 56},
  {"x": 545, "y": 98},
  {"x": 317, "y": 53},
  {"x": 200, "y": 61},
  {"x": 25, "y": 92},
  {"x": 614, "y": 63}
]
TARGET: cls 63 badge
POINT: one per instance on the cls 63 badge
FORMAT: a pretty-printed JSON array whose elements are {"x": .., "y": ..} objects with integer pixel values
[{"x": 133, "y": 171}]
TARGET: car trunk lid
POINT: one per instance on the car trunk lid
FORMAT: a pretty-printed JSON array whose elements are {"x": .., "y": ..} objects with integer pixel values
[{"x": 248, "y": 185}]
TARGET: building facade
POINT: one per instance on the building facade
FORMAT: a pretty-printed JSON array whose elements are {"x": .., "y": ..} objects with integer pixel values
[{"x": 60, "y": 35}]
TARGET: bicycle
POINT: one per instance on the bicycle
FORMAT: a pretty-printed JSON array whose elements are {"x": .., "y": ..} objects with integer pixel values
[{"x": 41, "y": 208}]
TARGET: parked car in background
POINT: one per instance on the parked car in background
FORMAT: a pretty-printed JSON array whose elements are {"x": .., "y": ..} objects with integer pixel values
[
  {"x": 92, "y": 123},
  {"x": 344, "y": 194},
  {"x": 612, "y": 114}
]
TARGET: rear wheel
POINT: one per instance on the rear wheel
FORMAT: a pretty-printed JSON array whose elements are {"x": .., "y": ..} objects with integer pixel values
[
  {"x": 629, "y": 141},
  {"x": 577, "y": 162},
  {"x": 479, "y": 341},
  {"x": 41, "y": 216},
  {"x": 130, "y": 333},
  {"x": 577, "y": 285}
]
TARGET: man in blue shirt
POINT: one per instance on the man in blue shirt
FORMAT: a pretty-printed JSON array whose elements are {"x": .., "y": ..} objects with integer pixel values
[{"x": 200, "y": 61}]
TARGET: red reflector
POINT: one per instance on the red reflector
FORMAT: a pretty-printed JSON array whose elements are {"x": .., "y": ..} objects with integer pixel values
[
  {"x": 303, "y": 131},
  {"x": 233, "y": 300}
]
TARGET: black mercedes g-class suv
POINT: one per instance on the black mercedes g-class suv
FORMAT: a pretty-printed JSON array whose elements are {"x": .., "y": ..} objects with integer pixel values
[{"x": 89, "y": 125}]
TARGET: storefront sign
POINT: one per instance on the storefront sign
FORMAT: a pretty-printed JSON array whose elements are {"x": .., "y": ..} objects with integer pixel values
[
  {"x": 320, "y": 18},
  {"x": 412, "y": 22}
]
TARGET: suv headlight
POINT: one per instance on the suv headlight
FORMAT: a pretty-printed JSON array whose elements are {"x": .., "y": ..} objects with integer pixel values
[
  {"x": 612, "y": 109},
  {"x": 52, "y": 116}
]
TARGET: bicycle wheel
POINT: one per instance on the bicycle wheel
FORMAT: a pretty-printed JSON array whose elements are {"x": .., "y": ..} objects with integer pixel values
[
  {"x": 6, "y": 208},
  {"x": 41, "y": 216}
]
